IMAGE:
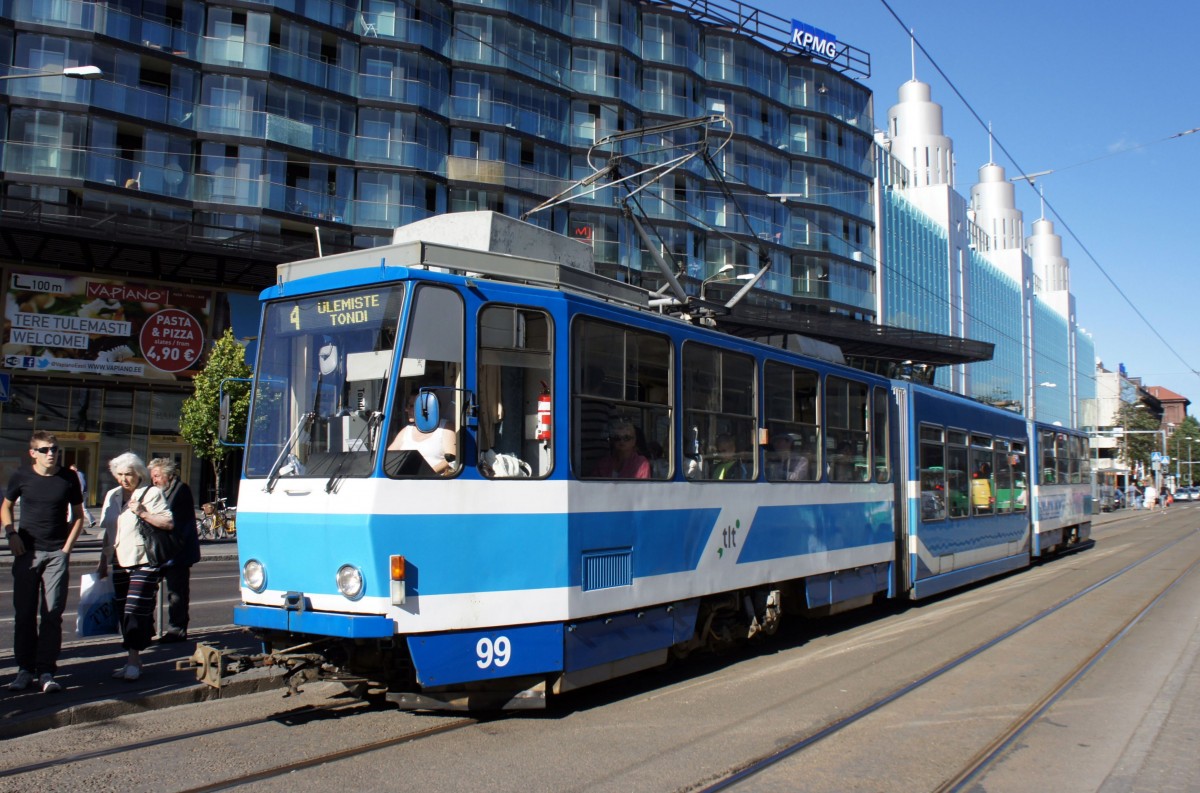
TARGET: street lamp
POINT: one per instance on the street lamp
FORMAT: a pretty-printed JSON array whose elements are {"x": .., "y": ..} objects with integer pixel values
[{"x": 76, "y": 72}]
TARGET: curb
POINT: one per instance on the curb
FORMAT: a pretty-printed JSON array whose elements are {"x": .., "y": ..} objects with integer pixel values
[{"x": 251, "y": 682}]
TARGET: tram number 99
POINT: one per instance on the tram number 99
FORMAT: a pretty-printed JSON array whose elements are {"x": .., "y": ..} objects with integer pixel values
[{"x": 493, "y": 653}]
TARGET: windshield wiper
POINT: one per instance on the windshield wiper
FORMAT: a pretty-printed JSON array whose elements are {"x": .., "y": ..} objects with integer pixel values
[
  {"x": 286, "y": 452},
  {"x": 374, "y": 419}
]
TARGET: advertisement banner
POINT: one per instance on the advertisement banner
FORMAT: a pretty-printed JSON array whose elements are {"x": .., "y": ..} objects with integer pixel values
[{"x": 103, "y": 325}]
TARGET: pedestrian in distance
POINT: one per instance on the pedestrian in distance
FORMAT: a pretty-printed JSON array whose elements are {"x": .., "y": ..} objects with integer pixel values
[
  {"x": 177, "y": 574},
  {"x": 135, "y": 580},
  {"x": 51, "y": 520},
  {"x": 87, "y": 513}
]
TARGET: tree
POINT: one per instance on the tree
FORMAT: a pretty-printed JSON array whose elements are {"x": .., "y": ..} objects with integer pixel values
[
  {"x": 1139, "y": 444},
  {"x": 201, "y": 415},
  {"x": 1184, "y": 445}
]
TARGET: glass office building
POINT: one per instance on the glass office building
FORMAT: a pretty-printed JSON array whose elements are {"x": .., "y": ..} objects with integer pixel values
[
  {"x": 222, "y": 138},
  {"x": 225, "y": 137}
]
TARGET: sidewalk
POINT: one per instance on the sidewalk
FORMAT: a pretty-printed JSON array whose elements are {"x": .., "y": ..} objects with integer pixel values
[{"x": 86, "y": 665}]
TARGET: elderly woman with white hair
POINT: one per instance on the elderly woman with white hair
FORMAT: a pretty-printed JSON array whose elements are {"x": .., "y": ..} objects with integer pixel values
[{"x": 134, "y": 578}]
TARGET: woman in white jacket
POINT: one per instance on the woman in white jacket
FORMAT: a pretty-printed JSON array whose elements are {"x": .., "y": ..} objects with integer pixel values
[{"x": 135, "y": 580}]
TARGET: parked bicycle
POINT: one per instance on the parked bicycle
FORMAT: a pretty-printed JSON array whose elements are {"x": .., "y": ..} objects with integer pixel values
[{"x": 218, "y": 521}]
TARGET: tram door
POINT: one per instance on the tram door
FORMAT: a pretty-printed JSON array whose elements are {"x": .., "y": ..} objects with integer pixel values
[
  {"x": 180, "y": 453},
  {"x": 84, "y": 455}
]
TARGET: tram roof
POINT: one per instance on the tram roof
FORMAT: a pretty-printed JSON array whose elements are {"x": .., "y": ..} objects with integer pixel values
[{"x": 491, "y": 245}]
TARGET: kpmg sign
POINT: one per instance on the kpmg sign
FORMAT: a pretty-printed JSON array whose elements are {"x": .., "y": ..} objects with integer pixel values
[{"x": 813, "y": 40}]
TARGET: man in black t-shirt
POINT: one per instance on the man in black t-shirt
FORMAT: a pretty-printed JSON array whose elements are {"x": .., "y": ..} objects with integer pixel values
[{"x": 51, "y": 520}]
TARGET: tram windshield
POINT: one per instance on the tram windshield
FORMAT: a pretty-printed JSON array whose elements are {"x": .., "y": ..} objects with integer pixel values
[{"x": 321, "y": 381}]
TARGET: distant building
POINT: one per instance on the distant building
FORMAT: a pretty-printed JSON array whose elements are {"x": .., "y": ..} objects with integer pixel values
[{"x": 967, "y": 269}]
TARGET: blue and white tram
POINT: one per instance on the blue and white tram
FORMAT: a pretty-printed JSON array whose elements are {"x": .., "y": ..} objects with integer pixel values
[
  {"x": 1062, "y": 489},
  {"x": 967, "y": 514},
  {"x": 473, "y": 478}
]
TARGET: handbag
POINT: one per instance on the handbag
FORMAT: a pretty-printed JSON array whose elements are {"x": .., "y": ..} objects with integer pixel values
[
  {"x": 97, "y": 613},
  {"x": 161, "y": 545}
]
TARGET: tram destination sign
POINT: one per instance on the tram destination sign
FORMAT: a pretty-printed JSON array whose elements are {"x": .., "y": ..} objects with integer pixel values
[{"x": 347, "y": 311}]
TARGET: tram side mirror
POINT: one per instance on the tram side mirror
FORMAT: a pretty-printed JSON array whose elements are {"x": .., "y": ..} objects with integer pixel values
[{"x": 428, "y": 411}]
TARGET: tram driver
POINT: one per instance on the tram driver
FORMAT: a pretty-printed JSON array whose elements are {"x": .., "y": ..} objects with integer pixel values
[{"x": 439, "y": 448}]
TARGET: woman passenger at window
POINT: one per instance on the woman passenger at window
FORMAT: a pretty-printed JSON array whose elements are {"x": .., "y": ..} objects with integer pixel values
[{"x": 623, "y": 461}]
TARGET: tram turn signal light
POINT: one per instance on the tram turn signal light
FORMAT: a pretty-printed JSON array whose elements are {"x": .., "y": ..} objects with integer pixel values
[{"x": 397, "y": 565}]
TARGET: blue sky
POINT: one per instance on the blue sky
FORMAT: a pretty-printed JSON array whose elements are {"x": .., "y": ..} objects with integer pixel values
[{"x": 1064, "y": 83}]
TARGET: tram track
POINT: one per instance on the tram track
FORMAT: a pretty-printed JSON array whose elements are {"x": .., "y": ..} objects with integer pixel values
[
  {"x": 186, "y": 740},
  {"x": 981, "y": 760},
  {"x": 332, "y": 757}
]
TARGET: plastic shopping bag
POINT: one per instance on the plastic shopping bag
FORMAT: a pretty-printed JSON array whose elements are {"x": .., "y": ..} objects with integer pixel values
[{"x": 97, "y": 607}]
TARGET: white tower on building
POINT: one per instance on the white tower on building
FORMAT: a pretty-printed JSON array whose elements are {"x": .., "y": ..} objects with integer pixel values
[
  {"x": 915, "y": 132},
  {"x": 1045, "y": 249},
  {"x": 995, "y": 207}
]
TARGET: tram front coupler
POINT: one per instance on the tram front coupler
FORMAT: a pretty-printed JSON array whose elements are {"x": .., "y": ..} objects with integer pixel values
[{"x": 214, "y": 666}]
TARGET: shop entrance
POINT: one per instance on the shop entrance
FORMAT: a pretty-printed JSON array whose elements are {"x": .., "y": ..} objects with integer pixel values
[
  {"x": 180, "y": 453},
  {"x": 85, "y": 456}
]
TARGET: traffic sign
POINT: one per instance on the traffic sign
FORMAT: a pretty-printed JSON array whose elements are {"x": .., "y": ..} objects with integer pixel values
[
  {"x": 5, "y": 386},
  {"x": 1155, "y": 457}
]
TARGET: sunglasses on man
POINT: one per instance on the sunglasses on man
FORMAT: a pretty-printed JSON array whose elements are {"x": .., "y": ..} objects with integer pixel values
[{"x": 46, "y": 449}]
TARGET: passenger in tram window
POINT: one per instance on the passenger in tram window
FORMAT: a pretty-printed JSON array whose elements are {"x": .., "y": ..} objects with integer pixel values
[
  {"x": 982, "y": 497},
  {"x": 784, "y": 464},
  {"x": 595, "y": 418},
  {"x": 439, "y": 448},
  {"x": 729, "y": 463},
  {"x": 624, "y": 460}
]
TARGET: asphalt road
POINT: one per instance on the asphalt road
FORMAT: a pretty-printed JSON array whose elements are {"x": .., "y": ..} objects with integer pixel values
[{"x": 214, "y": 594}]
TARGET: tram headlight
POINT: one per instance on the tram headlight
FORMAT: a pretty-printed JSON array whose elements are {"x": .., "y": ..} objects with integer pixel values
[
  {"x": 255, "y": 575},
  {"x": 350, "y": 581}
]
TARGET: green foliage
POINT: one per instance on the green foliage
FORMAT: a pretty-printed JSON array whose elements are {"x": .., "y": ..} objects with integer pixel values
[
  {"x": 200, "y": 419},
  {"x": 1184, "y": 445},
  {"x": 1144, "y": 437}
]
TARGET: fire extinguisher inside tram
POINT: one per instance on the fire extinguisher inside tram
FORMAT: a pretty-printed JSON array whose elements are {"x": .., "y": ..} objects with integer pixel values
[{"x": 543, "y": 413}]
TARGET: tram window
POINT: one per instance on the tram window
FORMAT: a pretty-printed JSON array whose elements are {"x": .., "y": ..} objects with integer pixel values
[
  {"x": 958, "y": 496},
  {"x": 983, "y": 485},
  {"x": 933, "y": 473},
  {"x": 1048, "y": 466},
  {"x": 515, "y": 370},
  {"x": 432, "y": 361},
  {"x": 1002, "y": 475},
  {"x": 794, "y": 452},
  {"x": 879, "y": 431},
  {"x": 718, "y": 404},
  {"x": 1019, "y": 499},
  {"x": 621, "y": 388},
  {"x": 327, "y": 356},
  {"x": 1075, "y": 443},
  {"x": 1062, "y": 456},
  {"x": 847, "y": 440}
]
